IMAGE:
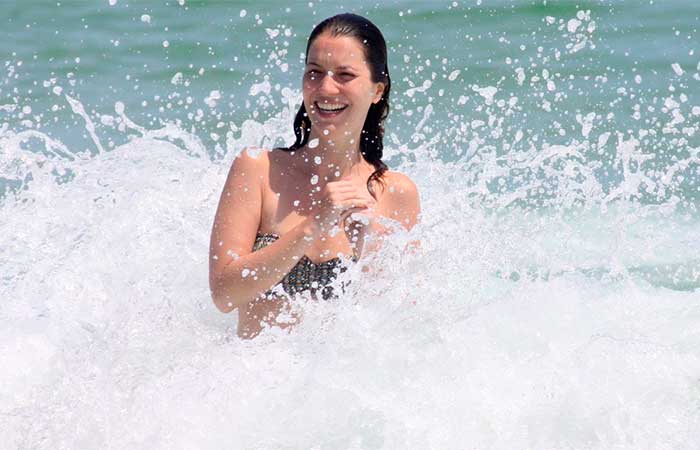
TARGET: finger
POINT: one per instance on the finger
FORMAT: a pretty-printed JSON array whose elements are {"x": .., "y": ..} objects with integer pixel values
[
  {"x": 355, "y": 201},
  {"x": 342, "y": 196},
  {"x": 339, "y": 192},
  {"x": 345, "y": 214},
  {"x": 342, "y": 203},
  {"x": 340, "y": 184},
  {"x": 342, "y": 191},
  {"x": 354, "y": 205},
  {"x": 356, "y": 219}
]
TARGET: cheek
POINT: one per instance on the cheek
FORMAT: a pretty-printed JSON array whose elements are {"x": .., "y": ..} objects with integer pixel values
[
  {"x": 306, "y": 93},
  {"x": 371, "y": 94},
  {"x": 309, "y": 82}
]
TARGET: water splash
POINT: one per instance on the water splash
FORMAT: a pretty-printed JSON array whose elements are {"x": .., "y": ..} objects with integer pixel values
[{"x": 552, "y": 302}]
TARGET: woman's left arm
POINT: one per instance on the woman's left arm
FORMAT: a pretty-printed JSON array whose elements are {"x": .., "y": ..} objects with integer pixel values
[{"x": 399, "y": 201}]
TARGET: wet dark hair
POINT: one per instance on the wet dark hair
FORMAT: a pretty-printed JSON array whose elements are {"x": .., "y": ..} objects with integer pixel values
[{"x": 372, "y": 136}]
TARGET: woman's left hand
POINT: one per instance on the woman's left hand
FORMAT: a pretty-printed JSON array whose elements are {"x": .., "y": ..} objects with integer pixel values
[{"x": 357, "y": 226}]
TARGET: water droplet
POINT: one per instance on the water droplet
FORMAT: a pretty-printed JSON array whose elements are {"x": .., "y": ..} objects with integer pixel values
[
  {"x": 314, "y": 179},
  {"x": 177, "y": 78},
  {"x": 313, "y": 143},
  {"x": 677, "y": 68}
]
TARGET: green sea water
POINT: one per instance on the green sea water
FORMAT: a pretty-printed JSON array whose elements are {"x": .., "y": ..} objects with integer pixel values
[
  {"x": 554, "y": 300},
  {"x": 132, "y": 51}
]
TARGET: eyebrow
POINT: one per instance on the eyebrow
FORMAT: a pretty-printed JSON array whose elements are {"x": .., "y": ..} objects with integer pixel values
[{"x": 312, "y": 63}]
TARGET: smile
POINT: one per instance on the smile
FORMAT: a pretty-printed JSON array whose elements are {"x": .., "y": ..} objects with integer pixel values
[{"x": 330, "y": 107}]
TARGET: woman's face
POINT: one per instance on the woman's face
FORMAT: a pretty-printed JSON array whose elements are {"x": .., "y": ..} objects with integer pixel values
[{"x": 338, "y": 87}]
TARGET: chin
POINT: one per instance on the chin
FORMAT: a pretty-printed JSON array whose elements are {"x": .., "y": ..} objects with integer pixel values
[{"x": 334, "y": 128}]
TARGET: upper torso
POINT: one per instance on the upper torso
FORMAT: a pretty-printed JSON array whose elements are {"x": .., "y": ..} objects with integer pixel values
[
  {"x": 287, "y": 196},
  {"x": 286, "y": 201}
]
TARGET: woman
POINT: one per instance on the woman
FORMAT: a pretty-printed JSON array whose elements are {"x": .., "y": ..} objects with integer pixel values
[{"x": 285, "y": 217}]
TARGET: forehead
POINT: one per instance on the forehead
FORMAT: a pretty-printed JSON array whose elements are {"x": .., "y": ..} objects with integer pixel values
[{"x": 332, "y": 51}]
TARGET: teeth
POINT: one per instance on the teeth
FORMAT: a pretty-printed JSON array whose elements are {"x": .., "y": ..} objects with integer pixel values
[{"x": 331, "y": 106}]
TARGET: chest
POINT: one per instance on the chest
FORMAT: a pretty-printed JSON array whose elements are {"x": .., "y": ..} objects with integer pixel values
[{"x": 286, "y": 204}]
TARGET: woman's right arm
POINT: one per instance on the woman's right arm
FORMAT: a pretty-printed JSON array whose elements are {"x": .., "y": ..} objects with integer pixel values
[{"x": 237, "y": 275}]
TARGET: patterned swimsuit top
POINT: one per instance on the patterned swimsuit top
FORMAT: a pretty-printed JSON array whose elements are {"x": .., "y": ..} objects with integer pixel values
[{"x": 306, "y": 275}]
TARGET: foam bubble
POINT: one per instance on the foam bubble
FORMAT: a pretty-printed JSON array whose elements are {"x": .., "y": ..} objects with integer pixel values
[
  {"x": 677, "y": 69},
  {"x": 212, "y": 99},
  {"x": 487, "y": 93},
  {"x": 572, "y": 25},
  {"x": 177, "y": 78}
]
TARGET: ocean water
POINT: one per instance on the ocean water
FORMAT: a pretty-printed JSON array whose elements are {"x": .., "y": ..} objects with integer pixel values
[{"x": 555, "y": 299}]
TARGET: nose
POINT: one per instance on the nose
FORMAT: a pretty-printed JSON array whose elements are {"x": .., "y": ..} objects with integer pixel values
[{"x": 328, "y": 85}]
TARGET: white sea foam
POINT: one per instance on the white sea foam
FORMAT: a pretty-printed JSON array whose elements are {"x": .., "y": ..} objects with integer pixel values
[
  {"x": 487, "y": 93},
  {"x": 212, "y": 99},
  {"x": 571, "y": 324}
]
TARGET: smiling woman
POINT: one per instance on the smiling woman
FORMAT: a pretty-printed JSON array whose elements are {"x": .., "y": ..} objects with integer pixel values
[{"x": 277, "y": 226}]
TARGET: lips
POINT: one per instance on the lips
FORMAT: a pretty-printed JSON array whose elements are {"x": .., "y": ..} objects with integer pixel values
[{"x": 329, "y": 109}]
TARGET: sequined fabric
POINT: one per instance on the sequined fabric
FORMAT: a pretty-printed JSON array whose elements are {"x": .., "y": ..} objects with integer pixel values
[{"x": 306, "y": 275}]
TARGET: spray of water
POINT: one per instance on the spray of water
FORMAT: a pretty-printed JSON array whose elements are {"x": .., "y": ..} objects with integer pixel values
[{"x": 552, "y": 302}]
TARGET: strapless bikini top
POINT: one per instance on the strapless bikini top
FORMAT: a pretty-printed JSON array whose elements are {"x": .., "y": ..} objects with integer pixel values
[{"x": 306, "y": 275}]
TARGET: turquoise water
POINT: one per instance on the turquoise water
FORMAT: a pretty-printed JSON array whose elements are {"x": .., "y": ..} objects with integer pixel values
[
  {"x": 555, "y": 301},
  {"x": 158, "y": 64},
  {"x": 104, "y": 54}
]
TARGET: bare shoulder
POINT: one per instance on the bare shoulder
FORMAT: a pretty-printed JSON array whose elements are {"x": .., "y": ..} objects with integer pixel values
[
  {"x": 399, "y": 185},
  {"x": 400, "y": 199},
  {"x": 251, "y": 161},
  {"x": 280, "y": 155}
]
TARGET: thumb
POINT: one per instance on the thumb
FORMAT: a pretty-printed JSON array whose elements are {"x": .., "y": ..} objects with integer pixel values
[{"x": 345, "y": 214}]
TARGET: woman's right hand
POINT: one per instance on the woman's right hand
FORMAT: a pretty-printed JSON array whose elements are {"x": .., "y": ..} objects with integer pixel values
[{"x": 337, "y": 200}]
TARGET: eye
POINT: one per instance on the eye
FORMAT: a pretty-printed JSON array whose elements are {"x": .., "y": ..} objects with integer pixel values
[
  {"x": 346, "y": 75},
  {"x": 312, "y": 74}
]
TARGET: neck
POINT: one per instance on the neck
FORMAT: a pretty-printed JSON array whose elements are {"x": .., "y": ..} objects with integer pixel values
[{"x": 338, "y": 157}]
